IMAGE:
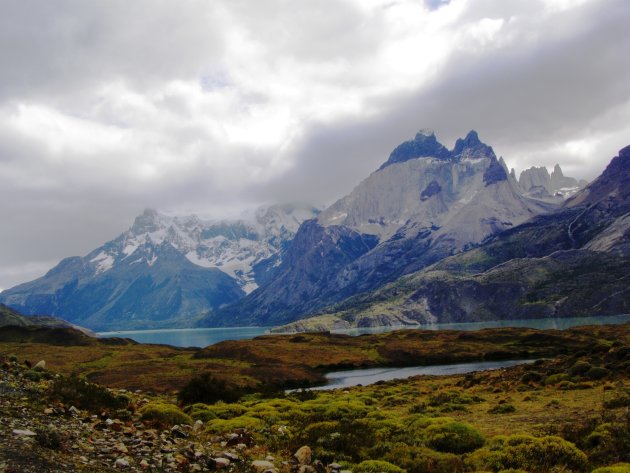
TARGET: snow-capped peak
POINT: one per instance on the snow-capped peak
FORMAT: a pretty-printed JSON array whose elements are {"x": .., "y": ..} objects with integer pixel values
[{"x": 233, "y": 246}]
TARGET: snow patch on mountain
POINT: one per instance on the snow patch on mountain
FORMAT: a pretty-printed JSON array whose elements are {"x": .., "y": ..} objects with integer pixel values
[{"x": 232, "y": 246}]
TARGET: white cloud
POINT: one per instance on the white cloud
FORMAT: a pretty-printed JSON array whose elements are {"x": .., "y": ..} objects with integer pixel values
[{"x": 206, "y": 106}]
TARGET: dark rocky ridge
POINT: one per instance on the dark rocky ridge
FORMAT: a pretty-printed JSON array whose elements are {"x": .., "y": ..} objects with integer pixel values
[
  {"x": 424, "y": 144},
  {"x": 329, "y": 262},
  {"x": 573, "y": 262},
  {"x": 155, "y": 286}
]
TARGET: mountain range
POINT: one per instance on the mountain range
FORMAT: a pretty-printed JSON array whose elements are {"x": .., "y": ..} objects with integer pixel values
[
  {"x": 423, "y": 204},
  {"x": 426, "y": 237},
  {"x": 574, "y": 261},
  {"x": 164, "y": 271}
]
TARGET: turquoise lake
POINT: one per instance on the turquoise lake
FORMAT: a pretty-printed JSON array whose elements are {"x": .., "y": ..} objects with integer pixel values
[
  {"x": 364, "y": 377},
  {"x": 201, "y": 337}
]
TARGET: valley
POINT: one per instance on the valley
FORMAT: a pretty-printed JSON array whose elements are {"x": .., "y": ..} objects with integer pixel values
[{"x": 566, "y": 411}]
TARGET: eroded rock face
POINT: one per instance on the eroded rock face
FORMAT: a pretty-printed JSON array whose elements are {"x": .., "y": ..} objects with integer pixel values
[
  {"x": 409, "y": 214},
  {"x": 536, "y": 182},
  {"x": 572, "y": 262},
  {"x": 164, "y": 271}
]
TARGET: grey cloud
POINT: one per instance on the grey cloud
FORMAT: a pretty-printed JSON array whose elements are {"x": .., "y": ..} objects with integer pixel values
[
  {"x": 520, "y": 99},
  {"x": 53, "y": 49},
  {"x": 563, "y": 78}
]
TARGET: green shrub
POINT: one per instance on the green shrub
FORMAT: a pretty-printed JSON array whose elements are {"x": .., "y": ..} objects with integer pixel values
[
  {"x": 556, "y": 378},
  {"x": 377, "y": 466},
  {"x": 531, "y": 377},
  {"x": 597, "y": 372},
  {"x": 617, "y": 468},
  {"x": 536, "y": 455},
  {"x": 453, "y": 437},
  {"x": 566, "y": 385},
  {"x": 201, "y": 414},
  {"x": 579, "y": 368},
  {"x": 230, "y": 425},
  {"x": 621, "y": 399},
  {"x": 416, "y": 459},
  {"x": 48, "y": 437},
  {"x": 207, "y": 389},
  {"x": 452, "y": 397},
  {"x": 164, "y": 415},
  {"x": 32, "y": 375},
  {"x": 609, "y": 442},
  {"x": 502, "y": 409},
  {"x": 219, "y": 410},
  {"x": 75, "y": 391}
]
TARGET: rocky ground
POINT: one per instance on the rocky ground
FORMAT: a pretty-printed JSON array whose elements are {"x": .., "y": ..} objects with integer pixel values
[{"x": 40, "y": 435}]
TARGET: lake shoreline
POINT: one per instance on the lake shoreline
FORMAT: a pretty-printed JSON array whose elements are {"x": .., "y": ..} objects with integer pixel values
[{"x": 202, "y": 337}]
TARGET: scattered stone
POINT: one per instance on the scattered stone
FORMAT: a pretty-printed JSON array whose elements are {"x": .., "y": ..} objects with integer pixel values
[
  {"x": 304, "y": 455},
  {"x": 262, "y": 465},
  {"x": 121, "y": 463},
  {"x": 221, "y": 463},
  {"x": 198, "y": 426},
  {"x": 319, "y": 467},
  {"x": 40, "y": 365},
  {"x": 178, "y": 432},
  {"x": 121, "y": 448},
  {"x": 24, "y": 433},
  {"x": 74, "y": 411},
  {"x": 230, "y": 456}
]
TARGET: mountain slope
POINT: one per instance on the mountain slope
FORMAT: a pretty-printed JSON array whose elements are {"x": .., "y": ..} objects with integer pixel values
[
  {"x": 164, "y": 271},
  {"x": 424, "y": 204},
  {"x": 154, "y": 286},
  {"x": 12, "y": 318},
  {"x": 244, "y": 249},
  {"x": 537, "y": 182},
  {"x": 573, "y": 262}
]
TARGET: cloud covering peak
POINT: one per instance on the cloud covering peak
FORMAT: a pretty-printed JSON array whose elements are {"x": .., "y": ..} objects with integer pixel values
[{"x": 209, "y": 107}]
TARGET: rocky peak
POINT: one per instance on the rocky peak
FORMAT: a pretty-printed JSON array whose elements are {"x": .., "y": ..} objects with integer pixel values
[
  {"x": 495, "y": 172},
  {"x": 613, "y": 186},
  {"x": 425, "y": 144},
  {"x": 146, "y": 222},
  {"x": 472, "y": 147},
  {"x": 557, "y": 171}
]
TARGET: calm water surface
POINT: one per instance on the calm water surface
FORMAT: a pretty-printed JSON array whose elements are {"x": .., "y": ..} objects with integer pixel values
[
  {"x": 189, "y": 337},
  {"x": 346, "y": 379},
  {"x": 201, "y": 337}
]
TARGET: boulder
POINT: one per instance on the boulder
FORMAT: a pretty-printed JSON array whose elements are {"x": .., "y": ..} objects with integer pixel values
[
  {"x": 262, "y": 465},
  {"x": 303, "y": 455}
]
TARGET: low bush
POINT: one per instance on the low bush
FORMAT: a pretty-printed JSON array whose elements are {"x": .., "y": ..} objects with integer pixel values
[
  {"x": 617, "y": 468},
  {"x": 416, "y": 459},
  {"x": 377, "y": 466},
  {"x": 609, "y": 442},
  {"x": 218, "y": 426},
  {"x": 579, "y": 368},
  {"x": 556, "y": 378},
  {"x": 75, "y": 391},
  {"x": 502, "y": 409},
  {"x": 453, "y": 437},
  {"x": 207, "y": 389},
  {"x": 164, "y": 415},
  {"x": 531, "y": 377},
  {"x": 32, "y": 375},
  {"x": 532, "y": 454},
  {"x": 596, "y": 373},
  {"x": 48, "y": 437}
]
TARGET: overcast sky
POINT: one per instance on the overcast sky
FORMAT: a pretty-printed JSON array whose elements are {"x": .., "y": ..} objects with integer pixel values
[{"x": 211, "y": 107}]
